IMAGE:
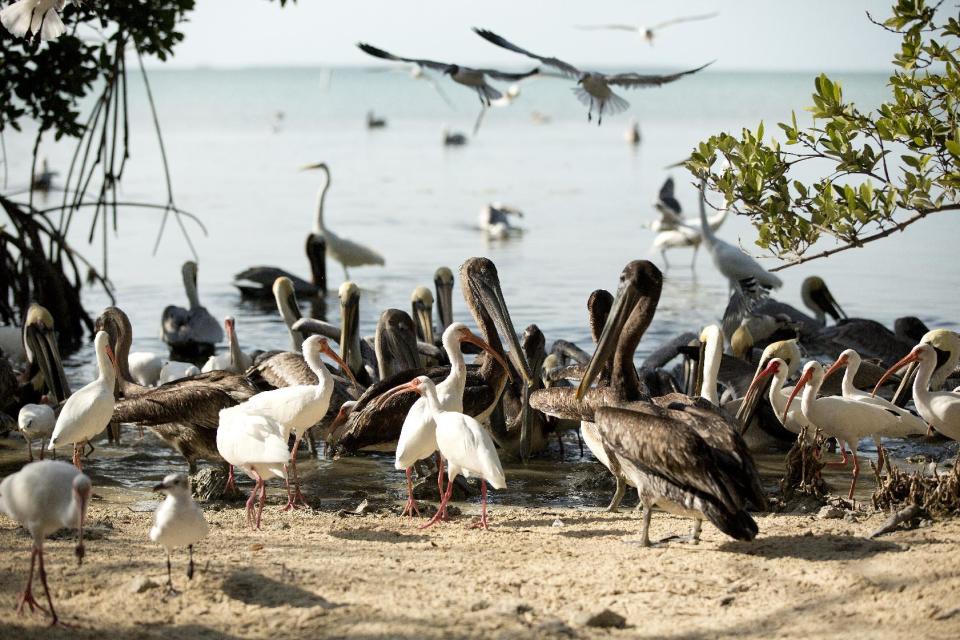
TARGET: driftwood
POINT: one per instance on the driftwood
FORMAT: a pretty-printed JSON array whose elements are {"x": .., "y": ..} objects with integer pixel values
[
  {"x": 908, "y": 514},
  {"x": 938, "y": 495}
]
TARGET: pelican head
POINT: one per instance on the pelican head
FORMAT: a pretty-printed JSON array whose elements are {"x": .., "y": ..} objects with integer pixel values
[
  {"x": 787, "y": 352},
  {"x": 598, "y": 309},
  {"x": 421, "y": 303},
  {"x": 758, "y": 388},
  {"x": 817, "y": 297},
  {"x": 443, "y": 283},
  {"x": 395, "y": 343},
  {"x": 349, "y": 295},
  {"x": 633, "y": 308},
  {"x": 116, "y": 324},
  {"x": 481, "y": 287},
  {"x": 40, "y": 344},
  {"x": 322, "y": 166}
]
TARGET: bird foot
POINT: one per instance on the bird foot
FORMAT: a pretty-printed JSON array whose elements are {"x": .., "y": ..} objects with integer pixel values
[
  {"x": 26, "y": 598},
  {"x": 170, "y": 593},
  {"x": 437, "y": 517},
  {"x": 411, "y": 509},
  {"x": 481, "y": 523}
]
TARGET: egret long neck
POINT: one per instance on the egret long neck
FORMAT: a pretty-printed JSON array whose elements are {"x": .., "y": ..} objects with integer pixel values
[
  {"x": 711, "y": 370},
  {"x": 318, "y": 226},
  {"x": 717, "y": 219}
]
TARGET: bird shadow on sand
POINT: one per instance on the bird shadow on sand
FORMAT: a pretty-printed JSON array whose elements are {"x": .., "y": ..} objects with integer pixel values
[
  {"x": 252, "y": 587},
  {"x": 597, "y": 533},
  {"x": 377, "y": 535},
  {"x": 817, "y": 547}
]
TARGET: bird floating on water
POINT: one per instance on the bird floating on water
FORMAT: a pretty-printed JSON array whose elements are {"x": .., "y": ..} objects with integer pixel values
[{"x": 194, "y": 331}]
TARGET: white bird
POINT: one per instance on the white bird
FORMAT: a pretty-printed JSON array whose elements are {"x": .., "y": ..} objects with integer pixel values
[
  {"x": 742, "y": 271},
  {"x": 44, "y": 497},
  {"x": 176, "y": 370},
  {"x": 34, "y": 17},
  {"x": 11, "y": 343},
  {"x": 347, "y": 252},
  {"x": 632, "y": 134},
  {"x": 297, "y": 408},
  {"x": 418, "y": 435},
  {"x": 648, "y": 32},
  {"x": 673, "y": 230},
  {"x": 909, "y": 425},
  {"x": 941, "y": 409},
  {"x": 87, "y": 412},
  {"x": 847, "y": 420},
  {"x": 255, "y": 444},
  {"x": 494, "y": 220},
  {"x": 593, "y": 88},
  {"x": 145, "y": 367},
  {"x": 178, "y": 522},
  {"x": 464, "y": 443},
  {"x": 793, "y": 419},
  {"x": 36, "y": 421},
  {"x": 234, "y": 360},
  {"x": 190, "y": 331}
]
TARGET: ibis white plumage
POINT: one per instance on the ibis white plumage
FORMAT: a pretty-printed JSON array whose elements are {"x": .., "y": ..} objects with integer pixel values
[
  {"x": 941, "y": 409},
  {"x": 234, "y": 360},
  {"x": 44, "y": 497},
  {"x": 36, "y": 421},
  {"x": 87, "y": 412},
  {"x": 178, "y": 522}
]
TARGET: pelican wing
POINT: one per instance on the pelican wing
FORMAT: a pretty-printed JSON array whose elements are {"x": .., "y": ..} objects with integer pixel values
[
  {"x": 638, "y": 80},
  {"x": 564, "y": 67},
  {"x": 669, "y": 201},
  {"x": 384, "y": 55},
  {"x": 673, "y": 21},
  {"x": 195, "y": 401}
]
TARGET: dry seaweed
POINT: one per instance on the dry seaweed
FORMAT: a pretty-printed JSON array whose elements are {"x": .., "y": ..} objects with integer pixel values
[{"x": 938, "y": 495}]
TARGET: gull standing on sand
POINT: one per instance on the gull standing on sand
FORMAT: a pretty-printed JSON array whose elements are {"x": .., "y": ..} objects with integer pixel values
[
  {"x": 36, "y": 421},
  {"x": 34, "y": 17},
  {"x": 87, "y": 412},
  {"x": 650, "y": 32},
  {"x": 593, "y": 87},
  {"x": 44, "y": 497},
  {"x": 178, "y": 522}
]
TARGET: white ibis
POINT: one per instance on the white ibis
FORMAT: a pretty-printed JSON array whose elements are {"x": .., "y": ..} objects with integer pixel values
[
  {"x": 465, "y": 445},
  {"x": 87, "y": 412},
  {"x": 593, "y": 88},
  {"x": 298, "y": 407},
  {"x": 941, "y": 409},
  {"x": 36, "y": 421},
  {"x": 178, "y": 522},
  {"x": 418, "y": 435},
  {"x": 258, "y": 446},
  {"x": 234, "y": 360},
  {"x": 44, "y": 497}
]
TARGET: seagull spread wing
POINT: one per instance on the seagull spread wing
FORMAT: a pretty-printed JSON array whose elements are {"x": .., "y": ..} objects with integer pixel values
[
  {"x": 566, "y": 68},
  {"x": 380, "y": 53},
  {"x": 615, "y": 27},
  {"x": 667, "y": 23},
  {"x": 503, "y": 75},
  {"x": 635, "y": 80}
]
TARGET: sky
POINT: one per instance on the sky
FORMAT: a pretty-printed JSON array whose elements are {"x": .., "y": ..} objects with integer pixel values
[{"x": 762, "y": 35}]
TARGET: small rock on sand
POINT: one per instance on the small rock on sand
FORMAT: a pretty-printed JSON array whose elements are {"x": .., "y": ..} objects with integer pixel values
[
  {"x": 604, "y": 619},
  {"x": 830, "y": 512}
]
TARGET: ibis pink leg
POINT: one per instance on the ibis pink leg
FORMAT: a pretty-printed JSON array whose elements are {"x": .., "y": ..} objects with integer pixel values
[
  {"x": 442, "y": 508},
  {"x": 263, "y": 498},
  {"x": 43, "y": 579},
  {"x": 482, "y": 523},
  {"x": 26, "y": 598},
  {"x": 411, "y": 508},
  {"x": 437, "y": 517},
  {"x": 231, "y": 481},
  {"x": 297, "y": 496}
]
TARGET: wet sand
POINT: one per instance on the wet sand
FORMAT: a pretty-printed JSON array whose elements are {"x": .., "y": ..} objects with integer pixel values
[{"x": 535, "y": 574}]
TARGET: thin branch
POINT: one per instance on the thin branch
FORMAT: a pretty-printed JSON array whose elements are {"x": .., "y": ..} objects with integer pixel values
[{"x": 142, "y": 205}]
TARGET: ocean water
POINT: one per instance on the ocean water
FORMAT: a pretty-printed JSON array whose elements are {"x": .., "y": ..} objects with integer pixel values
[{"x": 584, "y": 191}]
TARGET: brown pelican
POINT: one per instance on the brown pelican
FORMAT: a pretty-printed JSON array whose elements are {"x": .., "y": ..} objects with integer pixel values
[
  {"x": 443, "y": 285},
  {"x": 593, "y": 88},
  {"x": 421, "y": 310},
  {"x": 396, "y": 343},
  {"x": 45, "y": 368},
  {"x": 257, "y": 282},
  {"x": 816, "y": 296},
  {"x": 183, "y": 413},
  {"x": 190, "y": 332},
  {"x": 375, "y": 420},
  {"x": 347, "y": 252},
  {"x": 647, "y": 32}
]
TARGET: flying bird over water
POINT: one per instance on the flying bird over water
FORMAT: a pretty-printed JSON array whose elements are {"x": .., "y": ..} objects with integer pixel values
[
  {"x": 650, "y": 32},
  {"x": 593, "y": 88},
  {"x": 472, "y": 78}
]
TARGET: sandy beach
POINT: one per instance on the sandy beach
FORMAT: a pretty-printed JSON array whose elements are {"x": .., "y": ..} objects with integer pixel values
[{"x": 536, "y": 573}]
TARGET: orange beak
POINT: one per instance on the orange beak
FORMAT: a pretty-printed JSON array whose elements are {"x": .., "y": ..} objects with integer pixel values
[
  {"x": 413, "y": 385},
  {"x": 836, "y": 366},
  {"x": 804, "y": 379},
  {"x": 112, "y": 356},
  {"x": 771, "y": 369},
  {"x": 910, "y": 357},
  {"x": 343, "y": 365},
  {"x": 472, "y": 338}
]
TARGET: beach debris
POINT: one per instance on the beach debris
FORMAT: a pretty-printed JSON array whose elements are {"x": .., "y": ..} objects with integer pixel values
[
  {"x": 554, "y": 627},
  {"x": 512, "y": 608},
  {"x": 802, "y": 468},
  {"x": 937, "y": 495},
  {"x": 139, "y": 584},
  {"x": 830, "y": 512},
  {"x": 209, "y": 483},
  {"x": 605, "y": 619},
  {"x": 908, "y": 514},
  {"x": 559, "y": 523}
]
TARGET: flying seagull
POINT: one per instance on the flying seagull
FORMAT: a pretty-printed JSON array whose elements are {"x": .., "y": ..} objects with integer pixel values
[
  {"x": 648, "y": 33},
  {"x": 593, "y": 88},
  {"x": 472, "y": 78}
]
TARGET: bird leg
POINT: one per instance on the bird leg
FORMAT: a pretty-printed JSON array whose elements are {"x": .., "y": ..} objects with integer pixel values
[
  {"x": 666, "y": 263},
  {"x": 87, "y": 444},
  {"x": 346, "y": 274},
  {"x": 482, "y": 523},
  {"x": 76, "y": 457},
  {"x": 250, "y": 501},
  {"x": 693, "y": 262},
  {"x": 560, "y": 443},
  {"x": 695, "y": 534},
  {"x": 580, "y": 442},
  {"x": 263, "y": 498},
  {"x": 856, "y": 473},
  {"x": 411, "y": 508},
  {"x": 286, "y": 482},
  {"x": 30, "y": 450},
  {"x": 618, "y": 493},
  {"x": 170, "y": 590},
  {"x": 442, "y": 509},
  {"x": 645, "y": 534},
  {"x": 26, "y": 598},
  {"x": 190, "y": 562},
  {"x": 43, "y": 578},
  {"x": 231, "y": 486},
  {"x": 297, "y": 496},
  {"x": 843, "y": 458}
]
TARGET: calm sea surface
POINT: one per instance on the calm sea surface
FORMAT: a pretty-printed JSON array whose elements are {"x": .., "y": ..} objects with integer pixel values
[{"x": 585, "y": 193}]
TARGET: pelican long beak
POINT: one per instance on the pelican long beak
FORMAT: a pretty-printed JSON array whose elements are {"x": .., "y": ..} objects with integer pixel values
[
  {"x": 43, "y": 344},
  {"x": 836, "y": 366},
  {"x": 423, "y": 317},
  {"x": 480, "y": 342},
  {"x": 828, "y": 303},
  {"x": 444, "y": 302},
  {"x": 804, "y": 379},
  {"x": 623, "y": 306},
  {"x": 902, "y": 394},
  {"x": 349, "y": 333},
  {"x": 913, "y": 356},
  {"x": 343, "y": 365},
  {"x": 751, "y": 399},
  {"x": 701, "y": 359},
  {"x": 496, "y": 306}
]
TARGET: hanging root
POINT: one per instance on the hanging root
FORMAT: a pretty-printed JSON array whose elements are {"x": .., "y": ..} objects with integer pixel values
[{"x": 802, "y": 468}]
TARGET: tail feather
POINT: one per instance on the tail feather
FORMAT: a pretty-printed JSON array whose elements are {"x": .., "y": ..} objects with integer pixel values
[
  {"x": 17, "y": 17},
  {"x": 489, "y": 93},
  {"x": 585, "y": 98},
  {"x": 739, "y": 525},
  {"x": 615, "y": 104}
]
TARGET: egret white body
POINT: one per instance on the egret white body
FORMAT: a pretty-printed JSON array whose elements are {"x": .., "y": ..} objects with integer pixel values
[
  {"x": 145, "y": 367},
  {"x": 87, "y": 412},
  {"x": 36, "y": 421},
  {"x": 34, "y": 17},
  {"x": 178, "y": 522},
  {"x": 44, "y": 497}
]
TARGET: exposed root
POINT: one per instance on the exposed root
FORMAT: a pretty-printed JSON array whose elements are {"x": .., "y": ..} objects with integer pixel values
[
  {"x": 802, "y": 468},
  {"x": 937, "y": 495}
]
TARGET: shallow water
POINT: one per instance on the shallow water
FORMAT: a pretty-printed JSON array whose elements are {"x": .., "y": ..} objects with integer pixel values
[{"x": 584, "y": 191}]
